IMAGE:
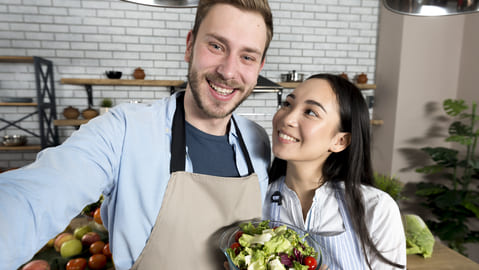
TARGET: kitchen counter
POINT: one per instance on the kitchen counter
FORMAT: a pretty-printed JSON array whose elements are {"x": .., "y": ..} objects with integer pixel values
[{"x": 443, "y": 258}]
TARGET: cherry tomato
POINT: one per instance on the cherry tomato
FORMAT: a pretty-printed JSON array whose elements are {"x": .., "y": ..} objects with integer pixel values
[
  {"x": 76, "y": 264},
  {"x": 97, "y": 261},
  {"x": 97, "y": 247},
  {"x": 235, "y": 247},
  {"x": 97, "y": 216},
  {"x": 310, "y": 262},
  {"x": 106, "y": 250},
  {"x": 238, "y": 235}
]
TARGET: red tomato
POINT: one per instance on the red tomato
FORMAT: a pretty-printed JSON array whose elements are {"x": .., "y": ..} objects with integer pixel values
[
  {"x": 238, "y": 235},
  {"x": 97, "y": 216},
  {"x": 235, "y": 247},
  {"x": 76, "y": 264},
  {"x": 106, "y": 250},
  {"x": 310, "y": 262},
  {"x": 97, "y": 247},
  {"x": 97, "y": 261}
]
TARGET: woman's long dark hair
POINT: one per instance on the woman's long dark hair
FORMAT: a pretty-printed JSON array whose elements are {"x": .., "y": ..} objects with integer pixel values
[{"x": 353, "y": 165}]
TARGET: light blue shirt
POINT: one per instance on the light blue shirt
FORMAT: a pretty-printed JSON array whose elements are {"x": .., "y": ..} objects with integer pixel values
[{"x": 125, "y": 155}]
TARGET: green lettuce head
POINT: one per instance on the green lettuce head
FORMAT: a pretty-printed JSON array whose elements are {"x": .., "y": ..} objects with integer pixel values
[{"x": 419, "y": 239}]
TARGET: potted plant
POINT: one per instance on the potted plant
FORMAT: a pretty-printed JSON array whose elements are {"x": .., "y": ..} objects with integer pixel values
[
  {"x": 389, "y": 184},
  {"x": 105, "y": 105},
  {"x": 454, "y": 199}
]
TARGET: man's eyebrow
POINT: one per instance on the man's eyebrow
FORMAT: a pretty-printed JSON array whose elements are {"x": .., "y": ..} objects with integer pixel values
[
  {"x": 309, "y": 101},
  {"x": 225, "y": 41}
]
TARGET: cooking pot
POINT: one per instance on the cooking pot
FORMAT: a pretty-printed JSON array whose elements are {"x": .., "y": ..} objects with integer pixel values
[{"x": 292, "y": 76}]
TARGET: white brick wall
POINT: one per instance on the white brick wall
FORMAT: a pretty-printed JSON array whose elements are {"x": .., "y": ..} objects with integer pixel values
[{"x": 85, "y": 38}]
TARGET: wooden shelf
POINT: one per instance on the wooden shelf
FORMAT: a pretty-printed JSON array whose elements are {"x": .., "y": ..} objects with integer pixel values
[
  {"x": 20, "y": 148},
  {"x": 80, "y": 81},
  {"x": 291, "y": 85},
  {"x": 17, "y": 104},
  {"x": 70, "y": 122},
  {"x": 16, "y": 59}
]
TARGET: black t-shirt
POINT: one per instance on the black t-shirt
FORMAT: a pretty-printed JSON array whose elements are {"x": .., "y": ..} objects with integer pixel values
[{"x": 210, "y": 154}]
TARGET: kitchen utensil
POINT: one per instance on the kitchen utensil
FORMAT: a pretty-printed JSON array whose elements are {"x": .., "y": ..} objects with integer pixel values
[
  {"x": 228, "y": 237},
  {"x": 111, "y": 74},
  {"x": 292, "y": 76},
  {"x": 14, "y": 140},
  {"x": 296, "y": 77}
]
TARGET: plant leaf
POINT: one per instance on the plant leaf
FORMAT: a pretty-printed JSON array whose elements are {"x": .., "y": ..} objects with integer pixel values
[
  {"x": 472, "y": 207},
  {"x": 449, "y": 199},
  {"x": 464, "y": 140},
  {"x": 474, "y": 164},
  {"x": 430, "y": 169},
  {"x": 429, "y": 189},
  {"x": 442, "y": 155},
  {"x": 458, "y": 128},
  {"x": 469, "y": 116},
  {"x": 454, "y": 107}
]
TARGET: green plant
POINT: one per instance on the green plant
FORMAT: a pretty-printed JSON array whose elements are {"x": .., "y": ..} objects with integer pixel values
[
  {"x": 106, "y": 102},
  {"x": 455, "y": 201},
  {"x": 389, "y": 184}
]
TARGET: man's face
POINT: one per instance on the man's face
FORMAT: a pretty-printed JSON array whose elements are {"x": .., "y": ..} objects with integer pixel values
[{"x": 224, "y": 60}]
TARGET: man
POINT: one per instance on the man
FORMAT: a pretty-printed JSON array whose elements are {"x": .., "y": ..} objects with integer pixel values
[{"x": 172, "y": 173}]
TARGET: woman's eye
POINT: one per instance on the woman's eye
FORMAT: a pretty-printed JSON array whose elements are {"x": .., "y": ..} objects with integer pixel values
[
  {"x": 285, "y": 104},
  {"x": 311, "y": 113}
]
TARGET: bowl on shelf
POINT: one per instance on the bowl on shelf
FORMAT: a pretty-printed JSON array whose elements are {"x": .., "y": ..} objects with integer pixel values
[
  {"x": 89, "y": 113},
  {"x": 14, "y": 140},
  {"x": 111, "y": 74},
  {"x": 230, "y": 234}
]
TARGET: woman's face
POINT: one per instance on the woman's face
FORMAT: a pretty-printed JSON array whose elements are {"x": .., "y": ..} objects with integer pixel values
[{"x": 306, "y": 127}]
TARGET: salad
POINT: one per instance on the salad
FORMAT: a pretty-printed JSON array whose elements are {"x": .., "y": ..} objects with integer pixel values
[{"x": 261, "y": 247}]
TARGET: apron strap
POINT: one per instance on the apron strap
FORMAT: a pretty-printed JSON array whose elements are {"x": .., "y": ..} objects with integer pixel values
[
  {"x": 178, "y": 143},
  {"x": 178, "y": 139},
  {"x": 243, "y": 148}
]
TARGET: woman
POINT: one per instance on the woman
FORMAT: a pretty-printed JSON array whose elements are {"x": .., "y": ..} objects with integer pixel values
[{"x": 322, "y": 179}]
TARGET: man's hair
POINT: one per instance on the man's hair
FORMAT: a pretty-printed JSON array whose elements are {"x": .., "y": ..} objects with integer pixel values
[{"x": 260, "y": 6}]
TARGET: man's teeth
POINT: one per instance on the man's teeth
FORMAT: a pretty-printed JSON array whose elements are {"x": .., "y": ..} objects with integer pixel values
[
  {"x": 220, "y": 90},
  {"x": 286, "y": 137}
]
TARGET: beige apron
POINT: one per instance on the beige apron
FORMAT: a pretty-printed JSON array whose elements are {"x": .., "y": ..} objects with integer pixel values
[{"x": 194, "y": 210}]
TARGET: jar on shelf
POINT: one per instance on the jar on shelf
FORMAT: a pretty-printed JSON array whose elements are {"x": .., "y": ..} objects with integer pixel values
[
  {"x": 139, "y": 73},
  {"x": 362, "y": 78},
  {"x": 89, "y": 113},
  {"x": 71, "y": 112},
  {"x": 344, "y": 75}
]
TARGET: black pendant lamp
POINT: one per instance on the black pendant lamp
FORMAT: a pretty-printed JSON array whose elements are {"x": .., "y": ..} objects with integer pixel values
[
  {"x": 432, "y": 7},
  {"x": 166, "y": 3}
]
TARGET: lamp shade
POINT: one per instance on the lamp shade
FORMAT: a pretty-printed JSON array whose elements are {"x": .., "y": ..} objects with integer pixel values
[
  {"x": 167, "y": 3},
  {"x": 432, "y": 7}
]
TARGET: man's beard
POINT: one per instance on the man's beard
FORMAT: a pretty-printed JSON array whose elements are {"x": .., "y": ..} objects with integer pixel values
[{"x": 217, "y": 110}]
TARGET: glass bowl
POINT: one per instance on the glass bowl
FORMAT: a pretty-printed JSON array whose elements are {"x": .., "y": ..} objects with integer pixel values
[{"x": 227, "y": 238}]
